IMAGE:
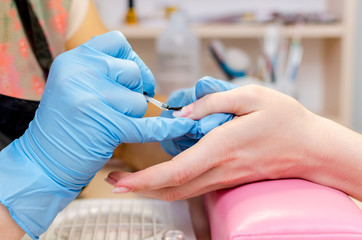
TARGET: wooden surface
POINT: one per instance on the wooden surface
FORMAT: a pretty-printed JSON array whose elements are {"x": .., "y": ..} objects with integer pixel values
[{"x": 222, "y": 31}]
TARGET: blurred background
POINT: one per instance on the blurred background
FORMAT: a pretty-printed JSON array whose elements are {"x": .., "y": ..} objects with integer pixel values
[{"x": 305, "y": 48}]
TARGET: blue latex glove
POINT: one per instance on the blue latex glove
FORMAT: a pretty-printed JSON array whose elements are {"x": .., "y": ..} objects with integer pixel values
[
  {"x": 92, "y": 102},
  {"x": 204, "y": 86}
]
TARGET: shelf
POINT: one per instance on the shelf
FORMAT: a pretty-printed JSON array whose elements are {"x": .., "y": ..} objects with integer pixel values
[{"x": 237, "y": 31}]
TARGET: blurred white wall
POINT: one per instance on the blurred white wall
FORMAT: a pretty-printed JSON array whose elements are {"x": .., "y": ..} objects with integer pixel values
[{"x": 113, "y": 11}]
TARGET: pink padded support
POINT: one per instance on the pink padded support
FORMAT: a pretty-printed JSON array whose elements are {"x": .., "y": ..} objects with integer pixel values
[{"x": 283, "y": 209}]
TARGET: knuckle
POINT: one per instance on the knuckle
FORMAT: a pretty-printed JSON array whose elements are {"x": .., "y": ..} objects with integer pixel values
[
  {"x": 119, "y": 35},
  {"x": 254, "y": 90},
  {"x": 203, "y": 80},
  {"x": 180, "y": 178},
  {"x": 171, "y": 194},
  {"x": 132, "y": 69},
  {"x": 251, "y": 94},
  {"x": 62, "y": 60}
]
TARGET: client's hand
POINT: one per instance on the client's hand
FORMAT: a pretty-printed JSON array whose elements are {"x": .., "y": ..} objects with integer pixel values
[{"x": 271, "y": 136}]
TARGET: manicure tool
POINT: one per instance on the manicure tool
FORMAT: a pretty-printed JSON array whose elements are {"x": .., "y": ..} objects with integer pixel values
[{"x": 161, "y": 105}]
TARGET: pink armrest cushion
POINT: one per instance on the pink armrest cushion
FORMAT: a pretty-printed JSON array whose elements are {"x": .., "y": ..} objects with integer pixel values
[{"x": 283, "y": 209}]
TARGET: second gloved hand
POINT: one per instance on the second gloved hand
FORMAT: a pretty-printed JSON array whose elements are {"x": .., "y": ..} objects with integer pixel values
[
  {"x": 93, "y": 101},
  {"x": 183, "y": 97}
]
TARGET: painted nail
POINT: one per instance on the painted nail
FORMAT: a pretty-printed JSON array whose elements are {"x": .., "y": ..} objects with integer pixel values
[
  {"x": 183, "y": 112},
  {"x": 121, "y": 190}
]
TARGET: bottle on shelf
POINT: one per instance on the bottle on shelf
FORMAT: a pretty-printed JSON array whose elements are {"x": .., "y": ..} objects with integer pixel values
[
  {"x": 131, "y": 17},
  {"x": 177, "y": 50}
]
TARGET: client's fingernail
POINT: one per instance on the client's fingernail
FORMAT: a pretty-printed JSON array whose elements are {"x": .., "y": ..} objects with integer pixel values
[
  {"x": 183, "y": 112},
  {"x": 121, "y": 190}
]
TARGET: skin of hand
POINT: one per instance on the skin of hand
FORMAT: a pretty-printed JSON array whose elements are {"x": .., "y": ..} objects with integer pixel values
[
  {"x": 272, "y": 136},
  {"x": 9, "y": 229}
]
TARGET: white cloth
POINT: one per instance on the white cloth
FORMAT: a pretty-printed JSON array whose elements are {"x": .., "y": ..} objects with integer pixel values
[{"x": 78, "y": 10}]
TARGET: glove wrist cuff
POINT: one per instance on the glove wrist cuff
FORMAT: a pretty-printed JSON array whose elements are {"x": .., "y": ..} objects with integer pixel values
[{"x": 33, "y": 198}]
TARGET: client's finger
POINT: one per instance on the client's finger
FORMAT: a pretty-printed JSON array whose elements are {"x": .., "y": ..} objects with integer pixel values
[{"x": 239, "y": 101}]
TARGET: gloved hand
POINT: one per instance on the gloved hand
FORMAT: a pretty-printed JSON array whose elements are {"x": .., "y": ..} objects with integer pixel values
[
  {"x": 92, "y": 102},
  {"x": 183, "y": 97}
]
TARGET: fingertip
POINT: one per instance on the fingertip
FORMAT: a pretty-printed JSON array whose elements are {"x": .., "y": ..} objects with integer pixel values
[
  {"x": 126, "y": 73},
  {"x": 148, "y": 82},
  {"x": 190, "y": 111},
  {"x": 136, "y": 104},
  {"x": 111, "y": 181},
  {"x": 132, "y": 182},
  {"x": 116, "y": 179},
  {"x": 184, "y": 112},
  {"x": 148, "y": 79},
  {"x": 180, "y": 113}
]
